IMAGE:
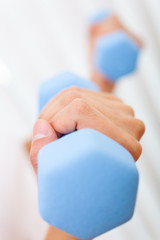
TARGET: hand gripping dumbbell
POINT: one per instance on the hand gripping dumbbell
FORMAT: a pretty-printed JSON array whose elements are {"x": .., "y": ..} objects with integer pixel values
[
  {"x": 87, "y": 183},
  {"x": 115, "y": 53}
]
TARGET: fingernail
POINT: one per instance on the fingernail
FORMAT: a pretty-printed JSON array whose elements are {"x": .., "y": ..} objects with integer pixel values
[{"x": 41, "y": 130}]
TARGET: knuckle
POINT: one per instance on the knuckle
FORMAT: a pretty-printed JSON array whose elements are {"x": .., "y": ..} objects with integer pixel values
[
  {"x": 113, "y": 97},
  {"x": 134, "y": 148},
  {"x": 62, "y": 92},
  {"x": 130, "y": 110},
  {"x": 69, "y": 89},
  {"x": 68, "y": 96},
  {"x": 74, "y": 88},
  {"x": 138, "y": 151},
  {"x": 80, "y": 105},
  {"x": 136, "y": 125},
  {"x": 71, "y": 95},
  {"x": 140, "y": 128},
  {"x": 118, "y": 99}
]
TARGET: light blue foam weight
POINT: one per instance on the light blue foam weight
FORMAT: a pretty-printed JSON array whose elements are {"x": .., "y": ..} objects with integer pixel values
[
  {"x": 99, "y": 16},
  {"x": 87, "y": 183},
  {"x": 116, "y": 55}
]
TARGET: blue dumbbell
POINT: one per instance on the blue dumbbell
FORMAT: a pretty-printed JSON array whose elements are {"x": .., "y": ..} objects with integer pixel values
[
  {"x": 48, "y": 89},
  {"x": 87, "y": 183},
  {"x": 116, "y": 53}
]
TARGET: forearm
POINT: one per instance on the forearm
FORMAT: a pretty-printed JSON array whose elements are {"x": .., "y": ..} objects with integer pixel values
[{"x": 56, "y": 234}]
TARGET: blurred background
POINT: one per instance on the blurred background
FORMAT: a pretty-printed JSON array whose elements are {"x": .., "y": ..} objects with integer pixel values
[{"x": 40, "y": 38}]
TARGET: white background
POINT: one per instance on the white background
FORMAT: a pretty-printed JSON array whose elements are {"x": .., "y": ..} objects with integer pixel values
[{"x": 39, "y": 38}]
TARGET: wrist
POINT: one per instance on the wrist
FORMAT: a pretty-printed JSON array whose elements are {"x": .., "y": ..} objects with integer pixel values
[
  {"x": 103, "y": 83},
  {"x": 56, "y": 234}
]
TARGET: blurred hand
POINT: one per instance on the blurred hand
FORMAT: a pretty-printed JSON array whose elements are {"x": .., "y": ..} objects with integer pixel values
[{"x": 97, "y": 30}]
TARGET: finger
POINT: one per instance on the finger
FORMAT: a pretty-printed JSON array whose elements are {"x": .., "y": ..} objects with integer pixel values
[
  {"x": 78, "y": 114},
  {"x": 118, "y": 118},
  {"x": 132, "y": 126},
  {"x": 136, "y": 126},
  {"x": 77, "y": 92},
  {"x": 99, "y": 102},
  {"x": 60, "y": 101},
  {"x": 73, "y": 117},
  {"x": 43, "y": 134},
  {"x": 91, "y": 93},
  {"x": 67, "y": 95}
]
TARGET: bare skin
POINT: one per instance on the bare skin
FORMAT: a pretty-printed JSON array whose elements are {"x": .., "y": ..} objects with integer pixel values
[
  {"x": 76, "y": 108},
  {"x": 97, "y": 30}
]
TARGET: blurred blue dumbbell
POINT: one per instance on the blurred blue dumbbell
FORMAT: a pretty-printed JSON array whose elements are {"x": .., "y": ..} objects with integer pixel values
[
  {"x": 87, "y": 183},
  {"x": 115, "y": 53},
  {"x": 48, "y": 89}
]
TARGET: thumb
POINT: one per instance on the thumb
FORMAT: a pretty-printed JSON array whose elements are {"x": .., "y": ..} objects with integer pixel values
[{"x": 43, "y": 134}]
